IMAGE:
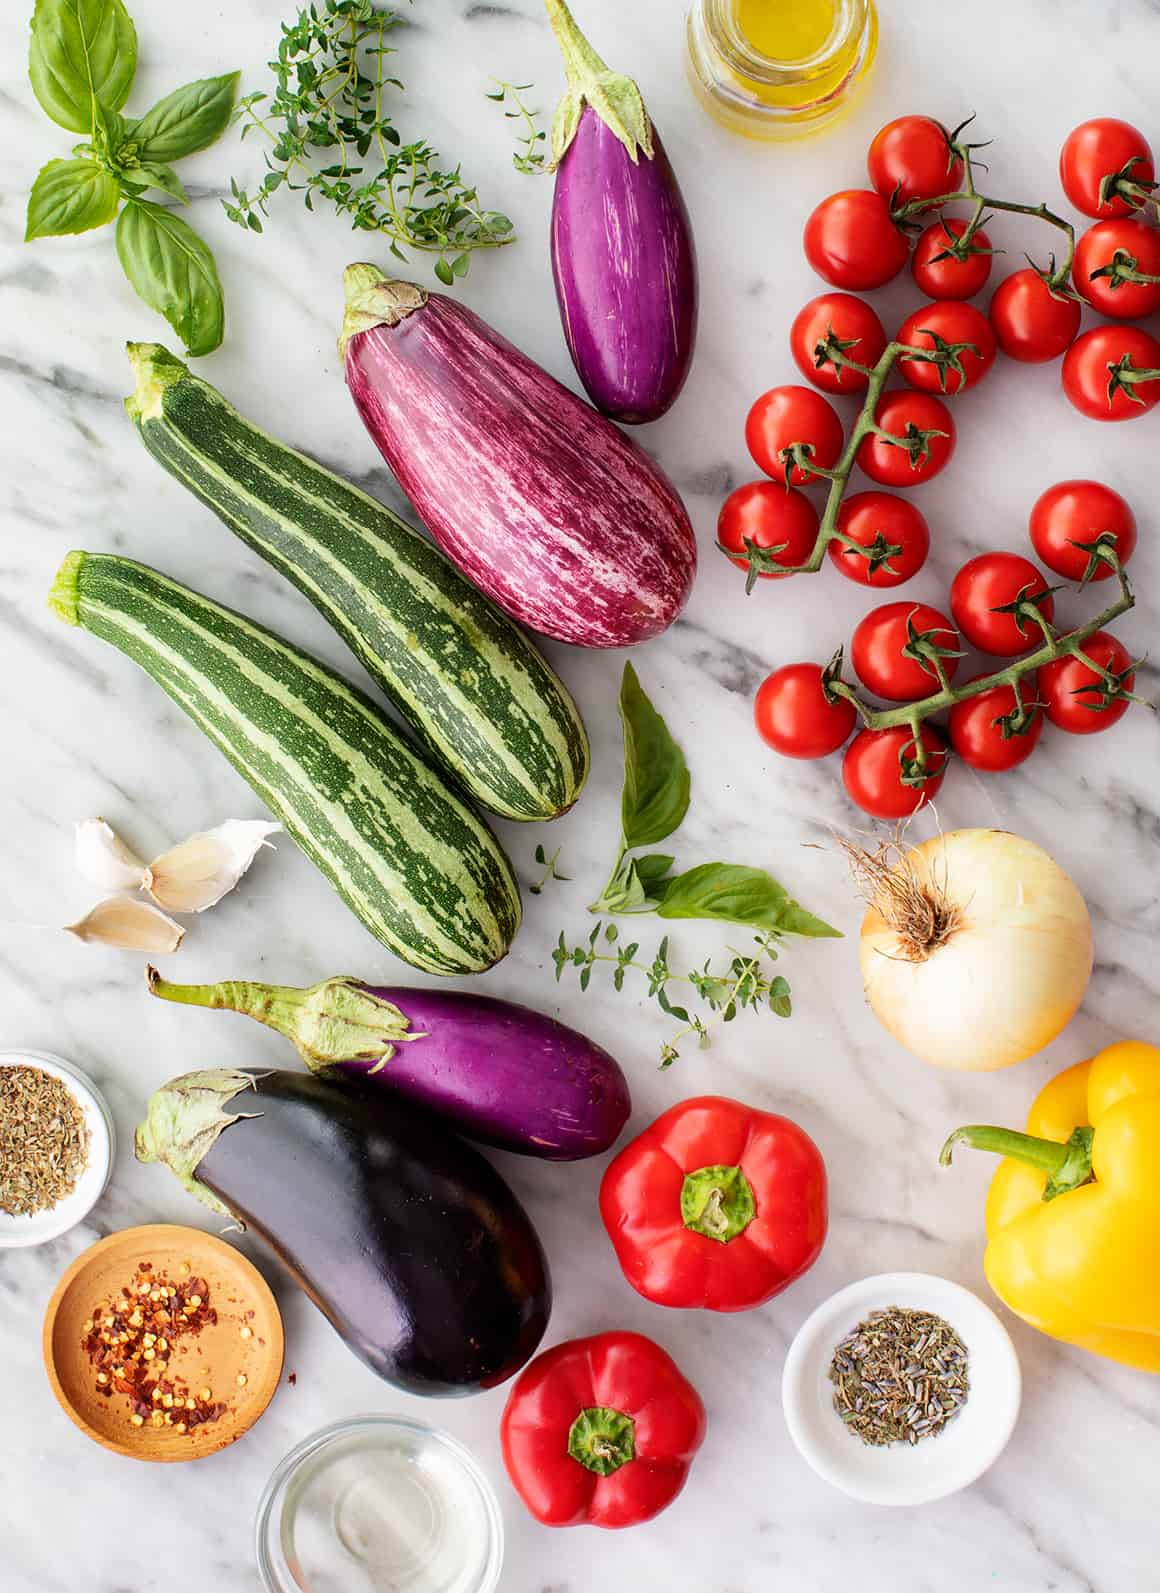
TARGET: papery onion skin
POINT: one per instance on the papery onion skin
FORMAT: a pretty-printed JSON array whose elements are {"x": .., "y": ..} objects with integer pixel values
[{"x": 1007, "y": 978}]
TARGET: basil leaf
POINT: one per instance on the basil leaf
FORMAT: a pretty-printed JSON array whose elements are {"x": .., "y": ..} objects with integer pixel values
[
  {"x": 739, "y": 895},
  {"x": 655, "y": 797},
  {"x": 156, "y": 174},
  {"x": 82, "y": 51},
  {"x": 173, "y": 271},
  {"x": 653, "y": 867},
  {"x": 70, "y": 196},
  {"x": 188, "y": 119}
]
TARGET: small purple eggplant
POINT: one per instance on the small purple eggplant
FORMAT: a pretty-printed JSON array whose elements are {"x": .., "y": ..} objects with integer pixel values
[
  {"x": 497, "y": 1072},
  {"x": 622, "y": 249}
]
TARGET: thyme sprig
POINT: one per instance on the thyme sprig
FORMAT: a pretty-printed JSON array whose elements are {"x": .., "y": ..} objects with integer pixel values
[
  {"x": 745, "y": 982},
  {"x": 330, "y": 105},
  {"x": 532, "y": 155},
  {"x": 551, "y": 867}
]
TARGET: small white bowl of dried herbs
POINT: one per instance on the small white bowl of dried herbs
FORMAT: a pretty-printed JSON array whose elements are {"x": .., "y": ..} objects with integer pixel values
[
  {"x": 56, "y": 1147},
  {"x": 901, "y": 1389}
]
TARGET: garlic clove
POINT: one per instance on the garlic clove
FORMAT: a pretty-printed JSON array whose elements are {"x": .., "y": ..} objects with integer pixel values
[
  {"x": 197, "y": 873},
  {"x": 104, "y": 859},
  {"x": 129, "y": 923}
]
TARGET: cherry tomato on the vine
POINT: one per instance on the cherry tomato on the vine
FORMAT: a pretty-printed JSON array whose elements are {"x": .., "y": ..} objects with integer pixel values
[
  {"x": 1074, "y": 512},
  {"x": 851, "y": 241},
  {"x": 795, "y": 717},
  {"x": 1073, "y": 696},
  {"x": 1031, "y": 322},
  {"x": 980, "y": 736},
  {"x": 872, "y": 770},
  {"x": 911, "y": 158},
  {"x": 788, "y": 415},
  {"x": 1098, "y": 368},
  {"x": 942, "y": 275},
  {"x": 989, "y": 582},
  {"x": 1107, "y": 257},
  {"x": 926, "y": 434},
  {"x": 770, "y": 516},
  {"x": 951, "y": 322},
  {"x": 892, "y": 531},
  {"x": 848, "y": 321},
  {"x": 890, "y": 662},
  {"x": 1098, "y": 150}
]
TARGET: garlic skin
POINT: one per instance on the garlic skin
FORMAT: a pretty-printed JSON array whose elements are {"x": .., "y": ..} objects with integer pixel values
[
  {"x": 104, "y": 858},
  {"x": 129, "y": 923},
  {"x": 198, "y": 872}
]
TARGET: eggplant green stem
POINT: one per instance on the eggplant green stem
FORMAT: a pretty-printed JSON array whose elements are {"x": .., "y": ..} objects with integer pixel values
[
  {"x": 615, "y": 98},
  {"x": 372, "y": 298},
  {"x": 1068, "y": 1166},
  {"x": 183, "y": 1120}
]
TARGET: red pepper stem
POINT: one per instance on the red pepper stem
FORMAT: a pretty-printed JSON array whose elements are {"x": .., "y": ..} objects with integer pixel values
[
  {"x": 717, "y": 1202},
  {"x": 602, "y": 1439},
  {"x": 1067, "y": 1165}
]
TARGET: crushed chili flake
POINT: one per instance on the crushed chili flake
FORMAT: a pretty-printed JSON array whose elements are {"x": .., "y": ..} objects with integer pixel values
[{"x": 130, "y": 1337}]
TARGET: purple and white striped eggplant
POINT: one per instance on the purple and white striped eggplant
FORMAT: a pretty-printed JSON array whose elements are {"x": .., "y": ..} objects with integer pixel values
[{"x": 543, "y": 503}]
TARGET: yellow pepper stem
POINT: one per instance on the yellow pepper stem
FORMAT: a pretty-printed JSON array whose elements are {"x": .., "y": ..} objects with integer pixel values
[{"x": 1067, "y": 1166}]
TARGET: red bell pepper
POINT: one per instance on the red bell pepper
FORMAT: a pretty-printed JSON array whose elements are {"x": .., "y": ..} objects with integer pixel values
[
  {"x": 601, "y": 1430},
  {"x": 716, "y": 1205}
]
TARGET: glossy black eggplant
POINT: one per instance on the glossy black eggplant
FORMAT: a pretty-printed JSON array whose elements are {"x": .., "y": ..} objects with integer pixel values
[{"x": 406, "y": 1238}]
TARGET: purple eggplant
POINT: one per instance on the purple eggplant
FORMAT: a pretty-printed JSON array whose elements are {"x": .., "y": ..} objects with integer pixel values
[
  {"x": 543, "y": 503},
  {"x": 498, "y": 1072},
  {"x": 622, "y": 248}
]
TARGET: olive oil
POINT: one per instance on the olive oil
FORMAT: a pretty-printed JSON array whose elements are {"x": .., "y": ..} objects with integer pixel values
[{"x": 784, "y": 30}]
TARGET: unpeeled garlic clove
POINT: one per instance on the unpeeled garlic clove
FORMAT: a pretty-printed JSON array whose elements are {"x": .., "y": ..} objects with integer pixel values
[
  {"x": 104, "y": 859},
  {"x": 129, "y": 923},
  {"x": 197, "y": 873}
]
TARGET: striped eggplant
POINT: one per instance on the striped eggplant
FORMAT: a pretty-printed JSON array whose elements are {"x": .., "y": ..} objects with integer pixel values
[
  {"x": 417, "y": 865},
  {"x": 542, "y": 502},
  {"x": 468, "y": 682},
  {"x": 622, "y": 248}
]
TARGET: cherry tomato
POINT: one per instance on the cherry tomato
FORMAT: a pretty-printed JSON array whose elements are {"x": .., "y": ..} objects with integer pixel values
[
  {"x": 976, "y": 730},
  {"x": 911, "y": 158},
  {"x": 985, "y": 584},
  {"x": 949, "y": 277},
  {"x": 788, "y": 415},
  {"x": 853, "y": 324},
  {"x": 851, "y": 241},
  {"x": 953, "y": 323},
  {"x": 1124, "y": 245},
  {"x": 872, "y": 771},
  {"x": 1071, "y": 693},
  {"x": 892, "y": 531},
  {"x": 1094, "y": 368},
  {"x": 927, "y": 433},
  {"x": 1074, "y": 512},
  {"x": 1031, "y": 322},
  {"x": 795, "y": 717},
  {"x": 770, "y": 516},
  {"x": 1100, "y": 149},
  {"x": 880, "y": 656}
]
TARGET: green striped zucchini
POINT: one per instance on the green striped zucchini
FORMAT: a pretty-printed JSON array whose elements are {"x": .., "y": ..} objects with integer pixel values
[
  {"x": 408, "y": 855},
  {"x": 473, "y": 687}
]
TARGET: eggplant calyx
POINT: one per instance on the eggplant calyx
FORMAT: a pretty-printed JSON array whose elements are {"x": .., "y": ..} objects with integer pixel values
[
  {"x": 182, "y": 1121},
  {"x": 156, "y": 370},
  {"x": 375, "y": 299},
  {"x": 615, "y": 98}
]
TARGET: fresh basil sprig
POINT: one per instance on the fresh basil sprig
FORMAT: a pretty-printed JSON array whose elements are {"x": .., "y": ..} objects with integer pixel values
[{"x": 81, "y": 64}]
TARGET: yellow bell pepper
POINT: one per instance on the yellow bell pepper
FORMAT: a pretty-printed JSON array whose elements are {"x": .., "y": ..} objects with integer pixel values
[{"x": 1073, "y": 1213}]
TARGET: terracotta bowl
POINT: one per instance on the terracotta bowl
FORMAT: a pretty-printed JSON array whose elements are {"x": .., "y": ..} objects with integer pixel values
[{"x": 216, "y": 1357}]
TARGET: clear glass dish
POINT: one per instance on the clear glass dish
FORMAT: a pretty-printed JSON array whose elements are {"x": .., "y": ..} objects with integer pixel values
[{"x": 379, "y": 1504}]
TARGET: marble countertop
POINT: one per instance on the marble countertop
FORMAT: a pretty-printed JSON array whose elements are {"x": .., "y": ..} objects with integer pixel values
[{"x": 1071, "y": 1505}]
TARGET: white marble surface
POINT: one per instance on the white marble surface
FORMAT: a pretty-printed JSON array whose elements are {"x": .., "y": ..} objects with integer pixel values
[{"x": 1071, "y": 1506}]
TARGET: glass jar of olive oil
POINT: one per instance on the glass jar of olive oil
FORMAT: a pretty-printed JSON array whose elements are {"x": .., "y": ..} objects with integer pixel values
[{"x": 779, "y": 68}]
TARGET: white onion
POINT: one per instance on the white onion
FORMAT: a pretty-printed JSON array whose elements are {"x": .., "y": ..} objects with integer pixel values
[{"x": 976, "y": 949}]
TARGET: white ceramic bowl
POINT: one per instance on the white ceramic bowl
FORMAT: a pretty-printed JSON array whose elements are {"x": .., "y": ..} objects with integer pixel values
[
  {"x": 902, "y": 1474},
  {"x": 35, "y": 1229}
]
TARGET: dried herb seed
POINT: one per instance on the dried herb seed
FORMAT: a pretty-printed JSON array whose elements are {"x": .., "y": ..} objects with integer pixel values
[
  {"x": 900, "y": 1376},
  {"x": 44, "y": 1141}
]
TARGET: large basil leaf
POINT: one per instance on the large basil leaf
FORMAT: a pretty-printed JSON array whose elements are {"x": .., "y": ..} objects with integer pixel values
[
  {"x": 655, "y": 797},
  {"x": 70, "y": 196},
  {"x": 739, "y": 895},
  {"x": 173, "y": 271},
  {"x": 81, "y": 51},
  {"x": 188, "y": 119}
]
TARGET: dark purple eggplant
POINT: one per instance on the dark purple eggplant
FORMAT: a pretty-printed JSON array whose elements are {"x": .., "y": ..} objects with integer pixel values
[
  {"x": 406, "y": 1239},
  {"x": 499, "y": 1072},
  {"x": 622, "y": 248}
]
